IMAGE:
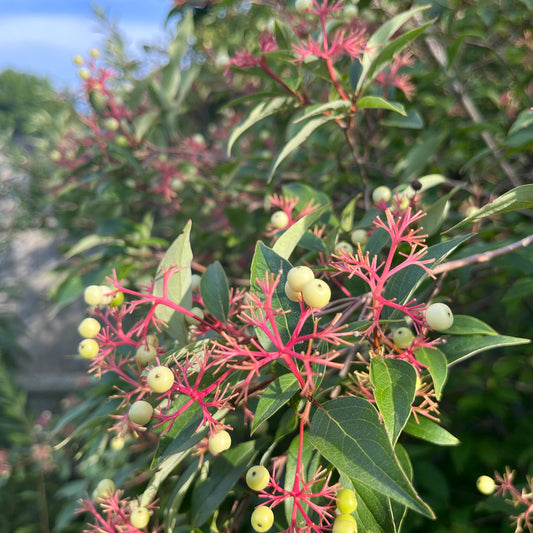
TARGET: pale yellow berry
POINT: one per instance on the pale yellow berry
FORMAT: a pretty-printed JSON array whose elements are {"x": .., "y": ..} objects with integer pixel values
[
  {"x": 84, "y": 73},
  {"x": 485, "y": 485},
  {"x": 94, "y": 53},
  {"x": 279, "y": 219},
  {"x": 219, "y": 442},
  {"x": 89, "y": 328},
  {"x": 93, "y": 295},
  {"x": 78, "y": 60},
  {"x": 294, "y": 296},
  {"x": 298, "y": 276},
  {"x": 316, "y": 293}
]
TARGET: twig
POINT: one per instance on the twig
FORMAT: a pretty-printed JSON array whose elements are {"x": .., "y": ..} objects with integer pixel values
[{"x": 483, "y": 257}]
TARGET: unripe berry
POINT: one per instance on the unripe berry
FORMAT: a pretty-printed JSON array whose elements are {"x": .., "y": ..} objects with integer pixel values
[
  {"x": 93, "y": 295},
  {"x": 89, "y": 328},
  {"x": 122, "y": 140},
  {"x": 344, "y": 523},
  {"x": 316, "y": 293},
  {"x": 471, "y": 210},
  {"x": 303, "y": 5},
  {"x": 292, "y": 295},
  {"x": 84, "y": 73},
  {"x": 298, "y": 276},
  {"x": 346, "y": 501},
  {"x": 257, "y": 477},
  {"x": 485, "y": 485},
  {"x": 359, "y": 236},
  {"x": 88, "y": 348},
  {"x": 112, "y": 124},
  {"x": 262, "y": 518},
  {"x": 106, "y": 487},
  {"x": 78, "y": 60},
  {"x": 195, "y": 281},
  {"x": 140, "y": 517},
  {"x": 117, "y": 299},
  {"x": 94, "y": 53},
  {"x": 219, "y": 442},
  {"x": 439, "y": 316},
  {"x": 55, "y": 156},
  {"x": 381, "y": 194},
  {"x": 403, "y": 337},
  {"x": 140, "y": 412},
  {"x": 279, "y": 219},
  {"x": 344, "y": 246},
  {"x": 198, "y": 315},
  {"x": 146, "y": 353},
  {"x": 160, "y": 379},
  {"x": 117, "y": 443},
  {"x": 350, "y": 12}
]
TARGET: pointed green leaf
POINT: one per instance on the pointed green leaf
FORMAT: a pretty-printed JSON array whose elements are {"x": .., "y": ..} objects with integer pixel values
[
  {"x": 346, "y": 220},
  {"x": 143, "y": 123},
  {"x": 215, "y": 291},
  {"x": 469, "y": 325},
  {"x": 179, "y": 255},
  {"x": 412, "y": 120},
  {"x": 436, "y": 213},
  {"x": 224, "y": 472},
  {"x": 437, "y": 365},
  {"x": 392, "y": 49},
  {"x": 91, "y": 241},
  {"x": 348, "y": 433},
  {"x": 379, "y": 38},
  {"x": 518, "y": 198},
  {"x": 394, "y": 383},
  {"x": 298, "y": 138},
  {"x": 266, "y": 260},
  {"x": 274, "y": 397},
  {"x": 430, "y": 431},
  {"x": 318, "y": 109},
  {"x": 285, "y": 245},
  {"x": 376, "y": 102},
  {"x": 402, "y": 285},
  {"x": 461, "y": 347},
  {"x": 258, "y": 113}
]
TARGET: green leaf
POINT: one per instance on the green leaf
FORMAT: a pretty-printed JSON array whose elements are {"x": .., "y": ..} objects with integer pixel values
[
  {"x": 461, "y": 347},
  {"x": 393, "y": 48},
  {"x": 394, "y": 383},
  {"x": 430, "y": 431},
  {"x": 402, "y": 285},
  {"x": 437, "y": 365},
  {"x": 305, "y": 194},
  {"x": 91, "y": 241},
  {"x": 179, "y": 255},
  {"x": 224, "y": 472},
  {"x": 518, "y": 198},
  {"x": 346, "y": 220},
  {"x": 285, "y": 245},
  {"x": 143, "y": 123},
  {"x": 274, "y": 397},
  {"x": 215, "y": 291},
  {"x": 258, "y": 113},
  {"x": 265, "y": 260},
  {"x": 379, "y": 38},
  {"x": 318, "y": 109},
  {"x": 297, "y": 139},
  {"x": 469, "y": 325},
  {"x": 436, "y": 213},
  {"x": 524, "y": 120},
  {"x": 309, "y": 461},
  {"x": 376, "y": 102},
  {"x": 348, "y": 433},
  {"x": 412, "y": 120},
  {"x": 418, "y": 157}
]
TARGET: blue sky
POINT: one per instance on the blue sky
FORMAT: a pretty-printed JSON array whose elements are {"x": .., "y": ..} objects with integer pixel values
[{"x": 42, "y": 36}]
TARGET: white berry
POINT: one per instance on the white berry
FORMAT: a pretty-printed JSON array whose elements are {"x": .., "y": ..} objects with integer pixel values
[{"x": 439, "y": 316}]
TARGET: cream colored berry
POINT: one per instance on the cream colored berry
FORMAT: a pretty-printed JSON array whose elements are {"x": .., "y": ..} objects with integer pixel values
[
  {"x": 291, "y": 295},
  {"x": 381, "y": 194},
  {"x": 316, "y": 293},
  {"x": 78, "y": 60},
  {"x": 344, "y": 247},
  {"x": 219, "y": 442},
  {"x": 107, "y": 297},
  {"x": 106, "y": 487},
  {"x": 439, "y": 316},
  {"x": 88, "y": 348},
  {"x": 94, "y": 53},
  {"x": 257, "y": 477},
  {"x": 89, "y": 328},
  {"x": 279, "y": 219},
  {"x": 140, "y": 517},
  {"x": 84, "y": 73},
  {"x": 93, "y": 295},
  {"x": 160, "y": 379},
  {"x": 140, "y": 412},
  {"x": 485, "y": 485},
  {"x": 298, "y": 276},
  {"x": 198, "y": 315},
  {"x": 359, "y": 236},
  {"x": 262, "y": 518},
  {"x": 402, "y": 338}
]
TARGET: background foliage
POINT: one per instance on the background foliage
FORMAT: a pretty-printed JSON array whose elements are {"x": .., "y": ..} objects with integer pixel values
[{"x": 124, "y": 193}]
